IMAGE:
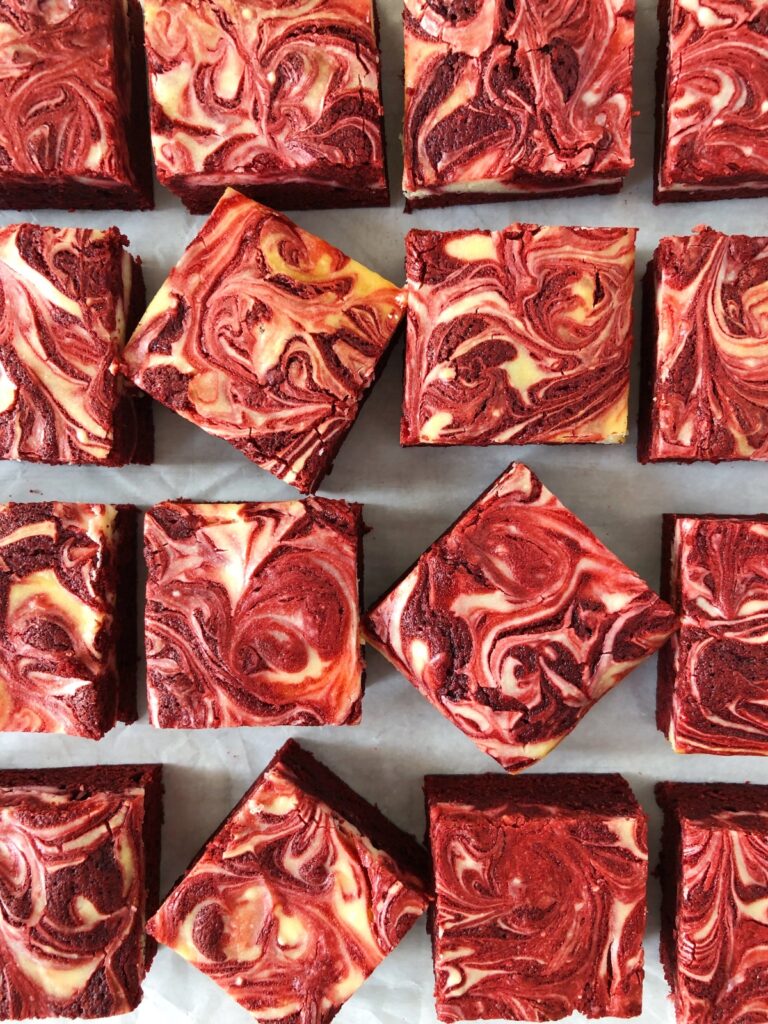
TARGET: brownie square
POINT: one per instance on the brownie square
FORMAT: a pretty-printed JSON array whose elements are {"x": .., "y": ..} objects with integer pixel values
[
  {"x": 68, "y": 604},
  {"x": 704, "y": 335},
  {"x": 714, "y": 878},
  {"x": 81, "y": 848},
  {"x": 517, "y": 620},
  {"x": 520, "y": 336},
  {"x": 268, "y": 337},
  {"x": 539, "y": 896},
  {"x": 68, "y": 298},
  {"x": 73, "y": 106},
  {"x": 516, "y": 99},
  {"x": 711, "y": 101},
  {"x": 713, "y": 673},
  {"x": 300, "y": 894},
  {"x": 281, "y": 101},
  {"x": 253, "y": 613}
]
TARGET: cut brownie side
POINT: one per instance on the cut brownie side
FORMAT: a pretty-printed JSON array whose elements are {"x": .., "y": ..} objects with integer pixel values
[
  {"x": 712, "y": 101},
  {"x": 268, "y": 337},
  {"x": 705, "y": 350},
  {"x": 67, "y": 594},
  {"x": 523, "y": 99},
  {"x": 713, "y": 674},
  {"x": 253, "y": 613},
  {"x": 714, "y": 875},
  {"x": 291, "y": 111},
  {"x": 517, "y": 620},
  {"x": 68, "y": 297},
  {"x": 518, "y": 336},
  {"x": 73, "y": 106},
  {"x": 540, "y": 896},
  {"x": 84, "y": 845},
  {"x": 327, "y": 884}
]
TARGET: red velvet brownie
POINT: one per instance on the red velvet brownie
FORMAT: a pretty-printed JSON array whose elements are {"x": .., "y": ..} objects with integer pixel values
[
  {"x": 518, "y": 336},
  {"x": 68, "y": 298},
  {"x": 301, "y": 893},
  {"x": 713, "y": 673},
  {"x": 253, "y": 613},
  {"x": 517, "y": 620},
  {"x": 68, "y": 606},
  {"x": 522, "y": 99},
  {"x": 706, "y": 350},
  {"x": 714, "y": 877},
  {"x": 539, "y": 896},
  {"x": 712, "y": 100},
  {"x": 73, "y": 106},
  {"x": 268, "y": 337},
  {"x": 280, "y": 100},
  {"x": 80, "y": 855}
]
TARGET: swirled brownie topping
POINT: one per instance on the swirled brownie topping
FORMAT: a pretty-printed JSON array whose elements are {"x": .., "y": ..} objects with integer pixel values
[
  {"x": 517, "y": 620},
  {"x": 252, "y": 613},
  {"x": 268, "y": 337},
  {"x": 518, "y": 336}
]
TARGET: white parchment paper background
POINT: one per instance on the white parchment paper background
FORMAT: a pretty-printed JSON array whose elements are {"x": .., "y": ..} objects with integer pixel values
[{"x": 410, "y": 496}]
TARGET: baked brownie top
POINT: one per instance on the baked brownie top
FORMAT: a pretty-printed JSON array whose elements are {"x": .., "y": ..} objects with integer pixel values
[
  {"x": 73, "y": 890},
  {"x": 64, "y": 296},
  {"x": 518, "y": 336},
  {"x": 252, "y": 613},
  {"x": 286, "y": 889},
  {"x": 495, "y": 91},
  {"x": 719, "y": 586},
  {"x": 266, "y": 336},
  {"x": 711, "y": 375},
  {"x": 266, "y": 92},
  {"x": 712, "y": 805},
  {"x": 57, "y": 606},
  {"x": 517, "y": 620},
  {"x": 540, "y": 896},
  {"x": 64, "y": 98},
  {"x": 715, "y": 116}
]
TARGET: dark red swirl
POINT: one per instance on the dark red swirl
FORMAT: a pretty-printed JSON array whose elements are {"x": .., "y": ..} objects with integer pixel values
[
  {"x": 517, "y": 620},
  {"x": 268, "y": 337},
  {"x": 280, "y": 100},
  {"x": 540, "y": 896},
  {"x": 519, "y": 336},
  {"x": 712, "y": 674},
  {"x": 505, "y": 98},
  {"x": 252, "y": 614},
  {"x": 73, "y": 99},
  {"x": 713, "y": 135},
  {"x": 294, "y": 888}
]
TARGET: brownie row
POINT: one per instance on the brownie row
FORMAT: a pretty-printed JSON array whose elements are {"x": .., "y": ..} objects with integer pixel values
[
  {"x": 536, "y": 893},
  {"x": 285, "y": 103},
  {"x": 271, "y": 339},
  {"x": 513, "y": 624}
]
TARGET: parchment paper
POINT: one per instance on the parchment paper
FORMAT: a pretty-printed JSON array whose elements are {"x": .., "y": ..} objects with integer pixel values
[{"x": 410, "y": 496}]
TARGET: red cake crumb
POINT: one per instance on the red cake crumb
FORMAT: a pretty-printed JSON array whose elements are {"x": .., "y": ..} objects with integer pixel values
[
  {"x": 277, "y": 586},
  {"x": 714, "y": 876},
  {"x": 517, "y": 620},
  {"x": 540, "y": 886},
  {"x": 713, "y": 673},
  {"x": 68, "y": 299},
  {"x": 268, "y": 337},
  {"x": 67, "y": 636},
  {"x": 73, "y": 106},
  {"x": 520, "y": 336},
  {"x": 705, "y": 350},
  {"x": 327, "y": 884},
  {"x": 712, "y": 100},
  {"x": 281, "y": 101},
  {"x": 516, "y": 99},
  {"x": 81, "y": 856}
]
